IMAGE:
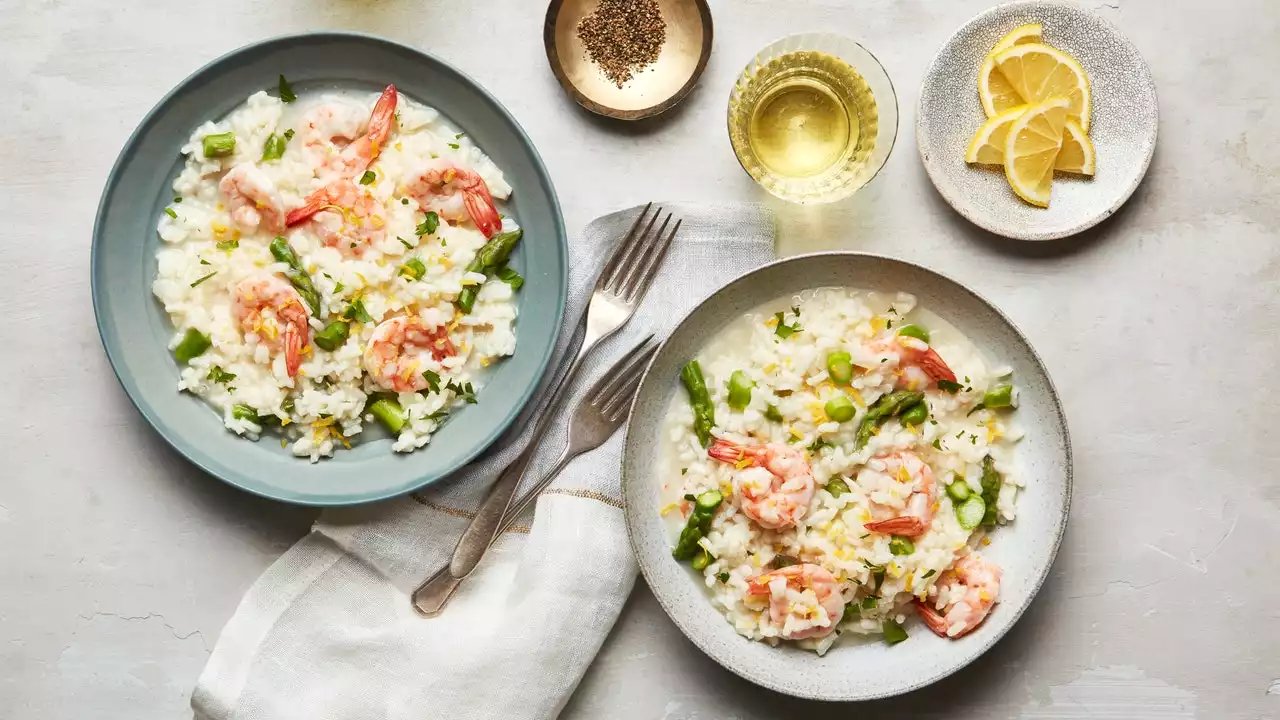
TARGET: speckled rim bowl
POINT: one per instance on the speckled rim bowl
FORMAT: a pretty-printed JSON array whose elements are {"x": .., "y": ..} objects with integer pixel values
[
  {"x": 1125, "y": 120},
  {"x": 135, "y": 329},
  {"x": 853, "y": 670}
]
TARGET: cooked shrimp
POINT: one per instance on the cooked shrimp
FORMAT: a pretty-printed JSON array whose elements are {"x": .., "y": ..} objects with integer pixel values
[
  {"x": 906, "y": 467},
  {"x": 326, "y": 125},
  {"x": 920, "y": 364},
  {"x": 394, "y": 356},
  {"x": 347, "y": 216},
  {"x": 252, "y": 198},
  {"x": 965, "y": 594},
  {"x": 455, "y": 194},
  {"x": 270, "y": 308},
  {"x": 804, "y": 600},
  {"x": 774, "y": 482}
]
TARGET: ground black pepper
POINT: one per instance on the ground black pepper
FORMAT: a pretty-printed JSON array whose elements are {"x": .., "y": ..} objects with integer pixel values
[{"x": 623, "y": 36}]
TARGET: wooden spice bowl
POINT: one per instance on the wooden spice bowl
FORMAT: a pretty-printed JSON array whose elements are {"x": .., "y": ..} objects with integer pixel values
[{"x": 654, "y": 89}]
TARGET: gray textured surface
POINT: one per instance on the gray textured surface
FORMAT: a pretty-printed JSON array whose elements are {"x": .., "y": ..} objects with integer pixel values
[{"x": 120, "y": 562}]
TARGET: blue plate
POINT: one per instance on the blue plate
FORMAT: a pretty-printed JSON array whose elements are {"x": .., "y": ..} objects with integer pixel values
[{"x": 135, "y": 329}]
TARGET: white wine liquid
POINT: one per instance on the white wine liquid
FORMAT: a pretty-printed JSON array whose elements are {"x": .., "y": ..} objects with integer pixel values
[{"x": 810, "y": 112}]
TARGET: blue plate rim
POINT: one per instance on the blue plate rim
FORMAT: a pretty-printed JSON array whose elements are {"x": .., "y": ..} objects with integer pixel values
[{"x": 97, "y": 288}]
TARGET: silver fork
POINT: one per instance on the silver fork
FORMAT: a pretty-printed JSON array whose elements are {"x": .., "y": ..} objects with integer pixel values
[
  {"x": 597, "y": 416},
  {"x": 619, "y": 289}
]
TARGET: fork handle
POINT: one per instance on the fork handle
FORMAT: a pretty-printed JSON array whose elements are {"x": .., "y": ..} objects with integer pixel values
[{"x": 487, "y": 524}]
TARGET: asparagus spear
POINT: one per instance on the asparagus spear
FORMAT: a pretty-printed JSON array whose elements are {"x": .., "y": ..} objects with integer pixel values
[
  {"x": 883, "y": 409},
  {"x": 704, "y": 413},
  {"x": 281, "y": 251},
  {"x": 487, "y": 261}
]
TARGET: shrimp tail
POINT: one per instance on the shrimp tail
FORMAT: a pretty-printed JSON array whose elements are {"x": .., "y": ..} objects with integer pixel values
[
  {"x": 728, "y": 452},
  {"x": 480, "y": 207},
  {"x": 932, "y": 619},
  {"x": 935, "y": 367},
  {"x": 314, "y": 204},
  {"x": 380, "y": 122},
  {"x": 904, "y": 525},
  {"x": 294, "y": 341}
]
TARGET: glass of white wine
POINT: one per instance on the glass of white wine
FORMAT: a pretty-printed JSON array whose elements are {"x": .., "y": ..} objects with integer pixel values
[{"x": 813, "y": 117}]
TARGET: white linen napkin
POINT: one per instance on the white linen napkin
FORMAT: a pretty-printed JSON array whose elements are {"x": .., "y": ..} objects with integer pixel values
[{"x": 328, "y": 631}]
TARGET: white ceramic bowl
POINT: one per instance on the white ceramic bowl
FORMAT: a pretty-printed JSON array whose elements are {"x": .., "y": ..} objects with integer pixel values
[{"x": 1024, "y": 548}]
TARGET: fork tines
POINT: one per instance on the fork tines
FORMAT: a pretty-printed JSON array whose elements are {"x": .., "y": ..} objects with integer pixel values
[
  {"x": 612, "y": 394},
  {"x": 631, "y": 269}
]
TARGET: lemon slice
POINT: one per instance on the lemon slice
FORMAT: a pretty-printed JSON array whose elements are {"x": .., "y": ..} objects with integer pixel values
[
  {"x": 994, "y": 90},
  {"x": 1031, "y": 149},
  {"x": 987, "y": 145},
  {"x": 1037, "y": 72},
  {"x": 1077, "y": 151},
  {"x": 1029, "y": 33}
]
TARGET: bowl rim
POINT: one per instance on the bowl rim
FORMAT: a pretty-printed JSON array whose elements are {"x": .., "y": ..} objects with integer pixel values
[
  {"x": 630, "y": 442},
  {"x": 97, "y": 289},
  {"x": 1032, "y": 236},
  {"x": 557, "y": 68}
]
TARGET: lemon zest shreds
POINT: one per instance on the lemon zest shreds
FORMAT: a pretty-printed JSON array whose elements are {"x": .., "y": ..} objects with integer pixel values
[
  {"x": 743, "y": 463},
  {"x": 666, "y": 509}
]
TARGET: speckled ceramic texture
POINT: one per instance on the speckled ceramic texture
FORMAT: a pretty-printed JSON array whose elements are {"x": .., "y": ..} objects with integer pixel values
[
  {"x": 1125, "y": 116},
  {"x": 853, "y": 669},
  {"x": 135, "y": 329}
]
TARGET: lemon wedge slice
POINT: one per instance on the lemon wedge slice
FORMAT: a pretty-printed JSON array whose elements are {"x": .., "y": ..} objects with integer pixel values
[
  {"x": 987, "y": 145},
  {"x": 1037, "y": 72},
  {"x": 1029, "y": 33},
  {"x": 1077, "y": 151},
  {"x": 996, "y": 93},
  {"x": 1031, "y": 149}
]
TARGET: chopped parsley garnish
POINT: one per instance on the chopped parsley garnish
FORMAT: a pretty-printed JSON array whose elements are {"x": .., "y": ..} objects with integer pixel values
[
  {"x": 206, "y": 277},
  {"x": 404, "y": 201},
  {"x": 510, "y": 277},
  {"x": 228, "y": 245},
  {"x": 783, "y": 330},
  {"x": 273, "y": 148},
  {"x": 338, "y": 287},
  {"x": 433, "y": 380},
  {"x": 285, "y": 90},
  {"x": 429, "y": 225},
  {"x": 937, "y": 443},
  {"x": 463, "y": 391},
  {"x": 928, "y": 574},
  {"x": 975, "y": 409},
  {"x": 218, "y": 375},
  {"x": 949, "y": 386},
  {"x": 438, "y": 415},
  {"x": 205, "y": 262},
  {"x": 413, "y": 268},
  {"x": 178, "y": 199},
  {"x": 723, "y": 577},
  {"x": 691, "y": 497},
  {"x": 684, "y": 471},
  {"x": 458, "y": 136},
  {"x": 368, "y": 177},
  {"x": 869, "y": 602},
  {"x": 404, "y": 242},
  {"x": 455, "y": 146},
  {"x": 356, "y": 311},
  {"x": 169, "y": 211},
  {"x": 288, "y": 134}
]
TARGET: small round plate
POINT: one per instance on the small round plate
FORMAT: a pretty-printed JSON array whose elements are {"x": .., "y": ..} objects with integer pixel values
[
  {"x": 1024, "y": 548},
  {"x": 135, "y": 329},
  {"x": 1124, "y": 121},
  {"x": 654, "y": 89}
]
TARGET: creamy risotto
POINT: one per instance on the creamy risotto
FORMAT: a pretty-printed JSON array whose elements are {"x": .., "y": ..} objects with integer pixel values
[
  {"x": 332, "y": 258},
  {"x": 835, "y": 465}
]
